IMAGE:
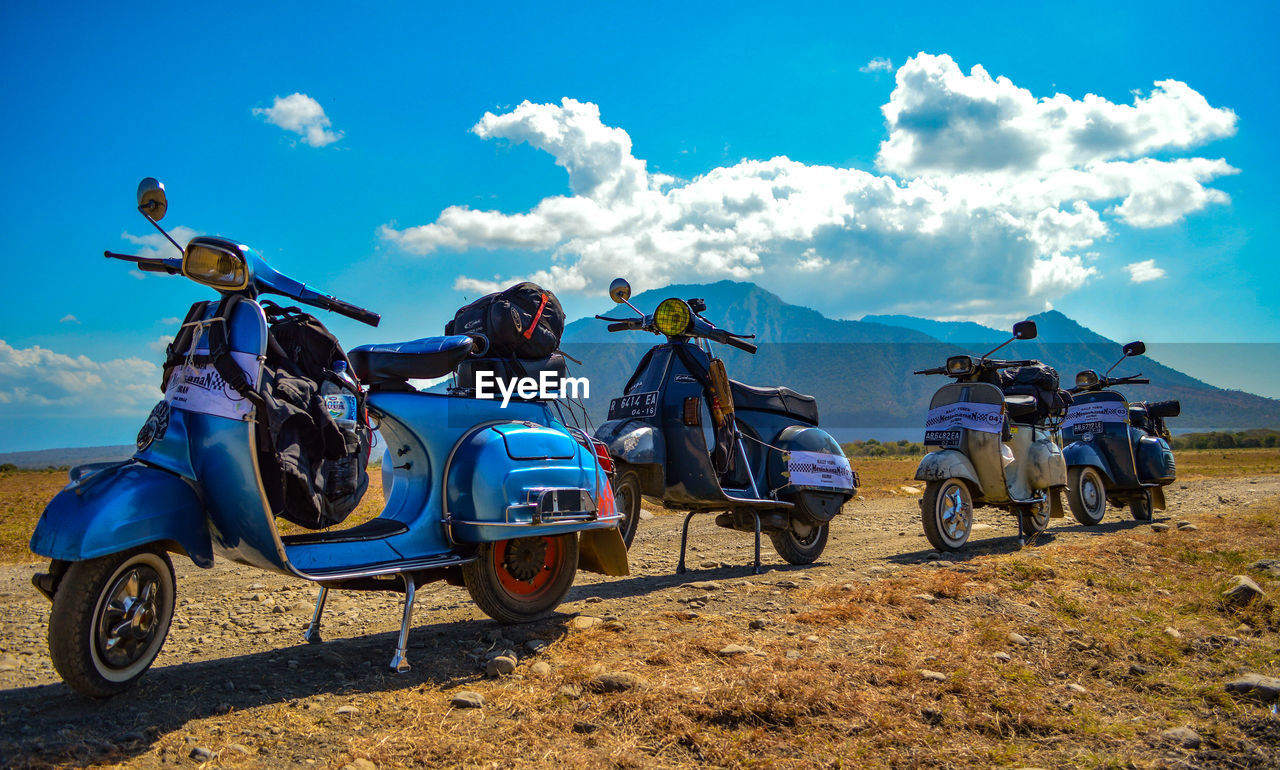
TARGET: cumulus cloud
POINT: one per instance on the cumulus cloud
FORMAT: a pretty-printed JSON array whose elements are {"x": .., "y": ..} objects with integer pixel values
[
  {"x": 988, "y": 201},
  {"x": 155, "y": 245},
  {"x": 878, "y": 64},
  {"x": 303, "y": 116},
  {"x": 1146, "y": 270},
  {"x": 68, "y": 319},
  {"x": 37, "y": 377}
]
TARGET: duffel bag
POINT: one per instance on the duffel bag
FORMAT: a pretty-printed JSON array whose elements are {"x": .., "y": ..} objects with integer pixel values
[{"x": 524, "y": 321}]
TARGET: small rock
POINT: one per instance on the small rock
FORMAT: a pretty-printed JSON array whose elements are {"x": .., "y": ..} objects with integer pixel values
[
  {"x": 201, "y": 754},
  {"x": 347, "y": 711},
  {"x": 571, "y": 691},
  {"x": 1173, "y": 632},
  {"x": 735, "y": 649},
  {"x": 541, "y": 668},
  {"x": 583, "y": 622},
  {"x": 812, "y": 639},
  {"x": 1182, "y": 523},
  {"x": 910, "y": 490},
  {"x": 500, "y": 666},
  {"x": 936, "y": 676},
  {"x": 1242, "y": 591},
  {"x": 703, "y": 585},
  {"x": 1019, "y": 639},
  {"x": 535, "y": 645},
  {"x": 1264, "y": 688},
  {"x": 467, "y": 699},
  {"x": 930, "y": 598},
  {"x": 1078, "y": 645},
  {"x": 585, "y": 727},
  {"x": 931, "y": 716},
  {"x": 1077, "y": 689},
  {"x": 1183, "y": 736},
  {"x": 1160, "y": 527},
  {"x": 787, "y": 584},
  {"x": 8, "y": 663},
  {"x": 1137, "y": 669},
  {"x": 758, "y": 624},
  {"x": 616, "y": 681},
  {"x": 1003, "y": 657},
  {"x": 645, "y": 515},
  {"x": 933, "y": 556},
  {"x": 793, "y": 654},
  {"x": 614, "y": 625},
  {"x": 1187, "y": 527}
]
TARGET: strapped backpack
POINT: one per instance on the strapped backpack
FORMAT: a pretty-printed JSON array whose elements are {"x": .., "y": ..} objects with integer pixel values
[{"x": 523, "y": 321}]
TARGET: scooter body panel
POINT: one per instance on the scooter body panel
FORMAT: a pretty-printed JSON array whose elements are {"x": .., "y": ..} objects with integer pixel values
[
  {"x": 1106, "y": 443},
  {"x": 123, "y": 506},
  {"x": 1038, "y": 463},
  {"x": 981, "y": 449},
  {"x": 791, "y": 438},
  {"x": 1081, "y": 453},
  {"x": 945, "y": 464}
]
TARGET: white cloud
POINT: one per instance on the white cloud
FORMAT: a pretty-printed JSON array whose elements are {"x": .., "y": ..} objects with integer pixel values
[
  {"x": 1146, "y": 270},
  {"x": 160, "y": 344},
  {"x": 878, "y": 64},
  {"x": 155, "y": 245},
  {"x": 990, "y": 201},
  {"x": 68, "y": 319},
  {"x": 36, "y": 377},
  {"x": 302, "y": 115}
]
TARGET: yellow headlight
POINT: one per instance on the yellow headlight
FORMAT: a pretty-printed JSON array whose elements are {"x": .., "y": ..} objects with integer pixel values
[
  {"x": 672, "y": 317},
  {"x": 214, "y": 264}
]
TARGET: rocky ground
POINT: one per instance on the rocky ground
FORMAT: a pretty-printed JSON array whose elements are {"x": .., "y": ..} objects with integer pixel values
[{"x": 235, "y": 683}]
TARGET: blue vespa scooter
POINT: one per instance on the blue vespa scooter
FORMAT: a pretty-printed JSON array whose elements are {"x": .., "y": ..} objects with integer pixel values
[
  {"x": 500, "y": 500},
  {"x": 766, "y": 465},
  {"x": 1121, "y": 450}
]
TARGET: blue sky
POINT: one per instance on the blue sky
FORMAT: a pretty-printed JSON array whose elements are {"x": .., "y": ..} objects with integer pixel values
[{"x": 410, "y": 200}]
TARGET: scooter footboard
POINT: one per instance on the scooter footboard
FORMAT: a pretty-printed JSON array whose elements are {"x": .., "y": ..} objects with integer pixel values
[
  {"x": 518, "y": 480},
  {"x": 121, "y": 507}
]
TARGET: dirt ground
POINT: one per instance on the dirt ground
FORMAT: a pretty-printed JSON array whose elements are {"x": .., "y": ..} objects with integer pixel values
[{"x": 236, "y": 682}]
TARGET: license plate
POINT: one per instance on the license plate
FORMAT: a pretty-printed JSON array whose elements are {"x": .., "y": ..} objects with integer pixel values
[
  {"x": 1086, "y": 427},
  {"x": 943, "y": 438},
  {"x": 634, "y": 405}
]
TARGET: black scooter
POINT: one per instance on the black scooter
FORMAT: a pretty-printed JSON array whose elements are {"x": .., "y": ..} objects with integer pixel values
[
  {"x": 1121, "y": 450},
  {"x": 687, "y": 436}
]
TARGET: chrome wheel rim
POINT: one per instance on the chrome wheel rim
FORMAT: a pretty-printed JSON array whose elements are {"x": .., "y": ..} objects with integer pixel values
[
  {"x": 955, "y": 514},
  {"x": 130, "y": 618}
]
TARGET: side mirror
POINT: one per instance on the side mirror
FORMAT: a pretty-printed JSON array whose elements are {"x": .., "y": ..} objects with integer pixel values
[
  {"x": 151, "y": 199},
  {"x": 619, "y": 290},
  {"x": 1024, "y": 330},
  {"x": 1135, "y": 348}
]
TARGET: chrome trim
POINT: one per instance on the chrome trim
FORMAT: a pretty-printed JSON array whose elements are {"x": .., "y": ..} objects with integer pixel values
[
  {"x": 446, "y": 518},
  {"x": 399, "y": 661},
  {"x": 388, "y": 568}
]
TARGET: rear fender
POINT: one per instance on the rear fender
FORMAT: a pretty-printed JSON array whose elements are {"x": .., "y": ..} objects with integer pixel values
[
  {"x": 1080, "y": 453},
  {"x": 121, "y": 507},
  {"x": 948, "y": 464}
]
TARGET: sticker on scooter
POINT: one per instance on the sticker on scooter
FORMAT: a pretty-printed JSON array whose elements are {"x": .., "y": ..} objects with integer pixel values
[
  {"x": 947, "y": 439},
  {"x": 201, "y": 389},
  {"x": 1094, "y": 413},
  {"x": 634, "y": 405},
  {"x": 819, "y": 469},
  {"x": 988, "y": 418}
]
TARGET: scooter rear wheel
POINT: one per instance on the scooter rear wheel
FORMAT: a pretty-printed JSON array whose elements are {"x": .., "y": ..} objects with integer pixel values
[
  {"x": 947, "y": 513},
  {"x": 516, "y": 581},
  {"x": 1035, "y": 518},
  {"x": 110, "y": 618},
  {"x": 1086, "y": 495},
  {"x": 1141, "y": 506},
  {"x": 797, "y": 549}
]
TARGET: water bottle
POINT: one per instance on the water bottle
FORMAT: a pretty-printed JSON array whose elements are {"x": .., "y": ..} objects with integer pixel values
[{"x": 340, "y": 401}]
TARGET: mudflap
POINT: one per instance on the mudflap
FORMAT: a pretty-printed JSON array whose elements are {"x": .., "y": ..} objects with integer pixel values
[
  {"x": 1056, "y": 511},
  {"x": 1157, "y": 498},
  {"x": 604, "y": 552}
]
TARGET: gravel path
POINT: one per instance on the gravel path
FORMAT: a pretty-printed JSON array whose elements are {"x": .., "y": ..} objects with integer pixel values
[{"x": 236, "y": 641}]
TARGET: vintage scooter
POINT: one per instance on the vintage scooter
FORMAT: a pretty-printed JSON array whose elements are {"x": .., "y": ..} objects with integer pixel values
[
  {"x": 996, "y": 449},
  {"x": 1121, "y": 450},
  {"x": 686, "y": 435},
  {"x": 500, "y": 500}
]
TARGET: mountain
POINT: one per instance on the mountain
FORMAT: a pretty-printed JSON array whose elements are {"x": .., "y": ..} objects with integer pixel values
[
  {"x": 860, "y": 371},
  {"x": 58, "y": 458}
]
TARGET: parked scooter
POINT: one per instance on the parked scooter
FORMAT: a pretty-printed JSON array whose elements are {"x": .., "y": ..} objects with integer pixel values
[
  {"x": 686, "y": 435},
  {"x": 999, "y": 446},
  {"x": 505, "y": 501},
  {"x": 1121, "y": 450}
]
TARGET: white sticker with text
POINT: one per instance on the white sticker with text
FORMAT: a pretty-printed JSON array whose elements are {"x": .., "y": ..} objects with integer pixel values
[
  {"x": 201, "y": 389},
  {"x": 1097, "y": 411},
  {"x": 988, "y": 418},
  {"x": 819, "y": 469}
]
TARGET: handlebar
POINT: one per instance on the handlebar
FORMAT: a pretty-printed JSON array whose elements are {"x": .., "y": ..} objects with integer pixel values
[
  {"x": 171, "y": 266},
  {"x": 355, "y": 313},
  {"x": 934, "y": 370},
  {"x": 740, "y": 345}
]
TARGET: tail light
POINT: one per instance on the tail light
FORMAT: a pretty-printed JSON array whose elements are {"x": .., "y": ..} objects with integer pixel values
[{"x": 602, "y": 454}]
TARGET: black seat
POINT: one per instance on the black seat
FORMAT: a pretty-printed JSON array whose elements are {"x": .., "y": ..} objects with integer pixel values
[
  {"x": 781, "y": 400},
  {"x": 510, "y": 368},
  {"x": 1021, "y": 406},
  {"x": 423, "y": 359}
]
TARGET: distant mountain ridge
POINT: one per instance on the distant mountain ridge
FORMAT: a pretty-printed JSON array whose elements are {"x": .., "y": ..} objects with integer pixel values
[{"x": 59, "y": 458}]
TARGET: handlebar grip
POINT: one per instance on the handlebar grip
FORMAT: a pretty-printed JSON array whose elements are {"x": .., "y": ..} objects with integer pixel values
[
  {"x": 351, "y": 311},
  {"x": 740, "y": 345},
  {"x": 621, "y": 327},
  {"x": 1141, "y": 381}
]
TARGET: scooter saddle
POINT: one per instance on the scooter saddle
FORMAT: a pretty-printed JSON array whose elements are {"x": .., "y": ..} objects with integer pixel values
[
  {"x": 507, "y": 369},
  {"x": 423, "y": 359},
  {"x": 1021, "y": 406},
  {"x": 783, "y": 400}
]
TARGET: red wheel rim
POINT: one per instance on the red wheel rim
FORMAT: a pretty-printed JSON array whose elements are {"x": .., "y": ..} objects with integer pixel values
[{"x": 527, "y": 566}]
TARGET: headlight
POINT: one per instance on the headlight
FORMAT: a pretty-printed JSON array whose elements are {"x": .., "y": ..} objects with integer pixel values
[
  {"x": 215, "y": 262},
  {"x": 1086, "y": 379},
  {"x": 958, "y": 366},
  {"x": 672, "y": 317}
]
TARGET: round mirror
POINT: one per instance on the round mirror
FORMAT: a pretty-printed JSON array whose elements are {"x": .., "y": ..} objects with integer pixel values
[
  {"x": 1135, "y": 348},
  {"x": 151, "y": 199},
  {"x": 620, "y": 290}
]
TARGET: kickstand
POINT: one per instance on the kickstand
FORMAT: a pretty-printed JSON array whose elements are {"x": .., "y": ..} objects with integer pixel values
[
  {"x": 756, "y": 517},
  {"x": 312, "y": 634},
  {"x": 1022, "y": 539},
  {"x": 684, "y": 540},
  {"x": 399, "y": 662}
]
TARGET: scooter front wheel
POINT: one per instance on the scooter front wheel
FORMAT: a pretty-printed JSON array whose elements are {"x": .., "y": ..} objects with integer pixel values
[
  {"x": 1035, "y": 518},
  {"x": 947, "y": 513},
  {"x": 626, "y": 495},
  {"x": 801, "y": 549},
  {"x": 1086, "y": 495},
  {"x": 516, "y": 581},
  {"x": 110, "y": 618}
]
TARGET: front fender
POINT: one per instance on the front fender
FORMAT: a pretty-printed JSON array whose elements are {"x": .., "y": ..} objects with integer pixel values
[
  {"x": 633, "y": 442},
  {"x": 948, "y": 464},
  {"x": 1080, "y": 453},
  {"x": 122, "y": 507}
]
